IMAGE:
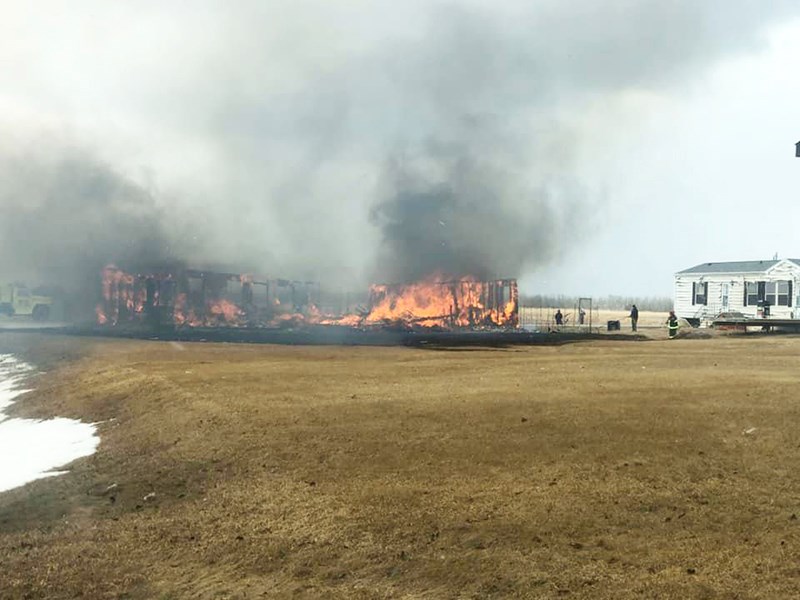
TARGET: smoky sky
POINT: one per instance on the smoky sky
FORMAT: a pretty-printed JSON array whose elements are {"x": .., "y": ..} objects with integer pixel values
[
  {"x": 337, "y": 140},
  {"x": 66, "y": 215}
]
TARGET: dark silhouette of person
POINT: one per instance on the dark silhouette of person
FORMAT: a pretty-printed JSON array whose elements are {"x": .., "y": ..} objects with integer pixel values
[
  {"x": 634, "y": 317},
  {"x": 559, "y": 317}
]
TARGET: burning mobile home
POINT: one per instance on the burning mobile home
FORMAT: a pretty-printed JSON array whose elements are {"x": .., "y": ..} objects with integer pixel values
[
  {"x": 193, "y": 298},
  {"x": 455, "y": 304}
]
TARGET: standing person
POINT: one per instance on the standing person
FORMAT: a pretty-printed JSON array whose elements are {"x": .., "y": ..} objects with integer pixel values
[
  {"x": 634, "y": 317},
  {"x": 672, "y": 324},
  {"x": 559, "y": 317}
]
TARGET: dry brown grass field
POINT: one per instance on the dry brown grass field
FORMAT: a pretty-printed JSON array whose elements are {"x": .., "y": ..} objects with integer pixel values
[
  {"x": 640, "y": 469},
  {"x": 599, "y": 318}
]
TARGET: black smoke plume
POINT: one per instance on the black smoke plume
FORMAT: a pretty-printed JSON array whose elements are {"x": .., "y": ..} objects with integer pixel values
[{"x": 469, "y": 216}]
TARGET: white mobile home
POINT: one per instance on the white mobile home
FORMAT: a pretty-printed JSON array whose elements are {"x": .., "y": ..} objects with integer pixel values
[{"x": 746, "y": 287}]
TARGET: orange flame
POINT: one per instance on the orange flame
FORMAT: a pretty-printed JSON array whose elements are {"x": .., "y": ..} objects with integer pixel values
[
  {"x": 439, "y": 302},
  {"x": 225, "y": 311},
  {"x": 119, "y": 298}
]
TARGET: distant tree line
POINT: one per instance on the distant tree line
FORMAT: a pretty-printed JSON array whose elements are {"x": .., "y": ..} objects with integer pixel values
[{"x": 652, "y": 303}]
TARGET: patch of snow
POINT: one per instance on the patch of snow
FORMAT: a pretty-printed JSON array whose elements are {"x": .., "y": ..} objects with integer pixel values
[{"x": 32, "y": 448}]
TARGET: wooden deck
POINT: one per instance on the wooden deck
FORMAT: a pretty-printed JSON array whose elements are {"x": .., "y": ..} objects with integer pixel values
[{"x": 768, "y": 324}]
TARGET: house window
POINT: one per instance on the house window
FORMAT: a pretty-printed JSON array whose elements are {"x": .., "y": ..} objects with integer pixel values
[
  {"x": 725, "y": 295},
  {"x": 784, "y": 293},
  {"x": 751, "y": 293},
  {"x": 770, "y": 292},
  {"x": 700, "y": 293}
]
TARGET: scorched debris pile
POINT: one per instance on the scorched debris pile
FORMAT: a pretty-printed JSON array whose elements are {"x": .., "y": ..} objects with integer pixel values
[{"x": 193, "y": 298}]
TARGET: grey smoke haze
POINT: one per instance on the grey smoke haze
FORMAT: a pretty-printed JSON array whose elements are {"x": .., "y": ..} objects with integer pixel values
[
  {"x": 66, "y": 215},
  {"x": 350, "y": 140}
]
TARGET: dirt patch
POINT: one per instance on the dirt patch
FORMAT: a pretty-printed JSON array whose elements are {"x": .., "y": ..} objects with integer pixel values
[{"x": 594, "y": 470}]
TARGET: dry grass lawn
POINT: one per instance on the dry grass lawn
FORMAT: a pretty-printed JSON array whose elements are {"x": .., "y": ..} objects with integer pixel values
[
  {"x": 544, "y": 317},
  {"x": 594, "y": 470}
]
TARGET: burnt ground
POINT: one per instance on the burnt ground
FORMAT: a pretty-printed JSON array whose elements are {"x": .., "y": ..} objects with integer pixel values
[{"x": 657, "y": 469}]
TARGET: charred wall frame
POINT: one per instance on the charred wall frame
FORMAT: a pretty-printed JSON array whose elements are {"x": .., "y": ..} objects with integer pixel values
[{"x": 156, "y": 298}]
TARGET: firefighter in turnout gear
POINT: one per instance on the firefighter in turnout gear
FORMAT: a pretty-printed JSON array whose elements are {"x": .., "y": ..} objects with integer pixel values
[{"x": 672, "y": 324}]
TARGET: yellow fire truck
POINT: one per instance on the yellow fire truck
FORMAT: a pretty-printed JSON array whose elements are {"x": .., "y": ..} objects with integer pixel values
[{"x": 17, "y": 299}]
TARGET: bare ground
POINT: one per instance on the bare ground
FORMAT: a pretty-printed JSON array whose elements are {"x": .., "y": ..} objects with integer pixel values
[{"x": 596, "y": 470}]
